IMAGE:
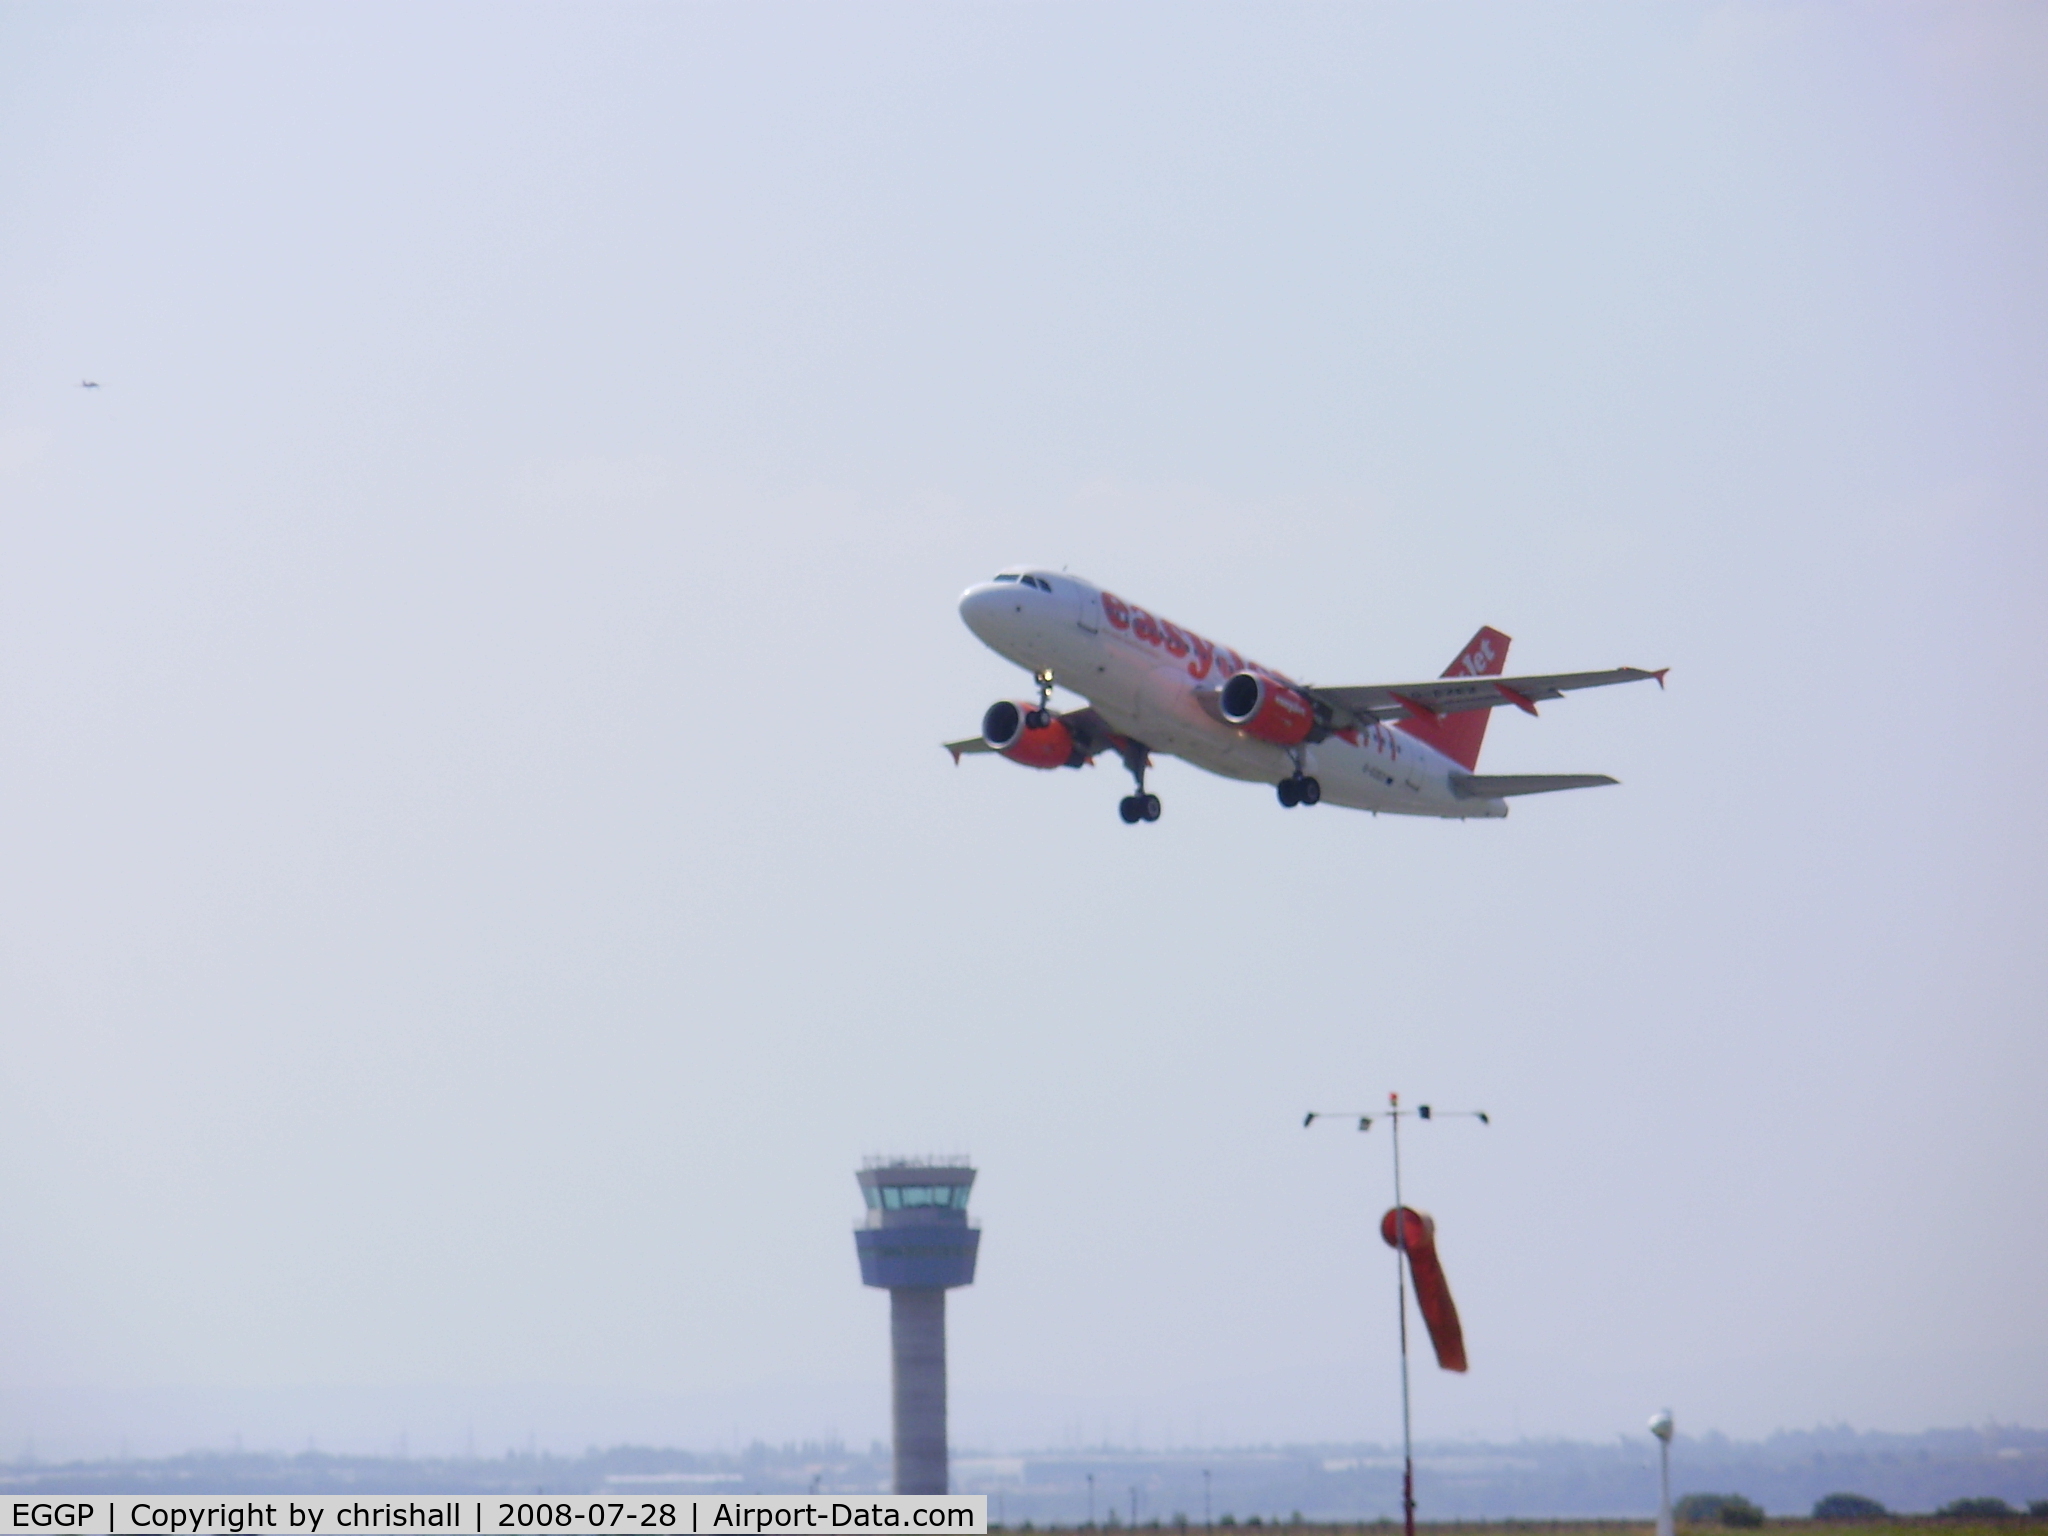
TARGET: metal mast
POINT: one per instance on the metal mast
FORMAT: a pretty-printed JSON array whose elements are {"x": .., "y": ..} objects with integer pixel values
[{"x": 1401, "y": 1307}]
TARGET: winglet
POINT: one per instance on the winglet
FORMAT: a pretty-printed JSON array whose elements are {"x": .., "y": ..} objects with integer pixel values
[
  {"x": 954, "y": 750},
  {"x": 1659, "y": 675}
]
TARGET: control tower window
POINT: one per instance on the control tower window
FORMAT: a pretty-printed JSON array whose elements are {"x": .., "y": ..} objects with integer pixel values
[
  {"x": 874, "y": 1196},
  {"x": 898, "y": 1197}
]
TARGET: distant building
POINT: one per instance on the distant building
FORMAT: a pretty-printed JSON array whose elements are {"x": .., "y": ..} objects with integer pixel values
[{"x": 916, "y": 1244}]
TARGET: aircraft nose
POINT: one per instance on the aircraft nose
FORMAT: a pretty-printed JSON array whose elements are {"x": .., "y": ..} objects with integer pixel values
[{"x": 984, "y": 607}]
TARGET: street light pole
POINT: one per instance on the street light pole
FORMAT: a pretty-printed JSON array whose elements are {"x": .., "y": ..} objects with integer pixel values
[{"x": 1660, "y": 1426}]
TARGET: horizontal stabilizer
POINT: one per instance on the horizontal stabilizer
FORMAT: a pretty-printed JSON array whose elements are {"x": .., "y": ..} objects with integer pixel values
[{"x": 1498, "y": 786}]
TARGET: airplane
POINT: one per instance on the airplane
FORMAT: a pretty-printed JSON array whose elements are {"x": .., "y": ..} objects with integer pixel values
[{"x": 1408, "y": 749}]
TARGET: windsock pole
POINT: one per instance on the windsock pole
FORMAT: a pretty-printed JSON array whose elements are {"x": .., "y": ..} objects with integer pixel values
[
  {"x": 1401, "y": 1305},
  {"x": 1433, "y": 1298}
]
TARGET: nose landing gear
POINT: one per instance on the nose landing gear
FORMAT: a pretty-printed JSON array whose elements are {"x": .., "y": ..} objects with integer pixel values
[
  {"x": 1141, "y": 806},
  {"x": 1299, "y": 790},
  {"x": 1039, "y": 718}
]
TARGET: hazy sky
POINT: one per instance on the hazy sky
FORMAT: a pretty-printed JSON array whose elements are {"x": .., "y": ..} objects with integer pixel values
[{"x": 478, "y": 867}]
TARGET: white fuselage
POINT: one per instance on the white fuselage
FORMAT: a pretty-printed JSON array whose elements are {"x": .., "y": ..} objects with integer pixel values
[{"x": 1159, "y": 684}]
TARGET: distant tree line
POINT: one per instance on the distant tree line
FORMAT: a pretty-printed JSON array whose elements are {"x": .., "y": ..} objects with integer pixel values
[{"x": 1732, "y": 1509}]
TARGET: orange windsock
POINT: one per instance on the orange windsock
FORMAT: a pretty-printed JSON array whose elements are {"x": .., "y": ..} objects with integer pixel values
[{"x": 1432, "y": 1291}]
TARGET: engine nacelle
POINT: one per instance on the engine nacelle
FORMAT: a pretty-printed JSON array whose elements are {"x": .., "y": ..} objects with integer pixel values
[
  {"x": 1271, "y": 711},
  {"x": 1035, "y": 746}
]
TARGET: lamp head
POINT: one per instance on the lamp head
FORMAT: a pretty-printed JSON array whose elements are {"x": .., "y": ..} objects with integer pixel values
[{"x": 1660, "y": 1425}]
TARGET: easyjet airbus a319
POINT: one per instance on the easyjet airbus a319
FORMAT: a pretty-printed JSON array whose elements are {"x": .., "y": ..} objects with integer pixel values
[{"x": 1407, "y": 748}]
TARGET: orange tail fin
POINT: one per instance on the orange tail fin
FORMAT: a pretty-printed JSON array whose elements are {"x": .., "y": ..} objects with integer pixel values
[{"x": 1458, "y": 736}]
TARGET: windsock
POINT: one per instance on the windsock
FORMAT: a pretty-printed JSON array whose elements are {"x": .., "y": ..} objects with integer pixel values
[{"x": 1432, "y": 1291}]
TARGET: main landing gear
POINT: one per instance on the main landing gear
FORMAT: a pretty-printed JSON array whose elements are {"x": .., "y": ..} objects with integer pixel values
[
  {"x": 1039, "y": 718},
  {"x": 1141, "y": 806},
  {"x": 1299, "y": 790}
]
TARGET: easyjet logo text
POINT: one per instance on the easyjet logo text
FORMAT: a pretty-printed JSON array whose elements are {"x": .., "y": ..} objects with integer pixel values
[{"x": 1203, "y": 656}]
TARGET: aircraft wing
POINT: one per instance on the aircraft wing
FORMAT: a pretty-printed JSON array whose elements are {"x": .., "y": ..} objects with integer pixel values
[
  {"x": 1454, "y": 695},
  {"x": 971, "y": 744},
  {"x": 1499, "y": 786}
]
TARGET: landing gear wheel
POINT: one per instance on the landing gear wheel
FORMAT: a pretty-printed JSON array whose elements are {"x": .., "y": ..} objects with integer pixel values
[
  {"x": 1289, "y": 791},
  {"x": 1137, "y": 758},
  {"x": 1311, "y": 791}
]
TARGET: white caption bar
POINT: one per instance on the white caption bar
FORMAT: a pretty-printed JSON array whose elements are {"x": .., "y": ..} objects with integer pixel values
[{"x": 341, "y": 1514}]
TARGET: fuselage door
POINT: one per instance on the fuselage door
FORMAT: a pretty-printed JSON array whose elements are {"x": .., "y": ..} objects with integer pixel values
[{"x": 1089, "y": 614}]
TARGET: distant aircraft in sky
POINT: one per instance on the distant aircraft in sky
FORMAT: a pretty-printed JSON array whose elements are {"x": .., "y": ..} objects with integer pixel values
[
  {"x": 1152, "y": 686},
  {"x": 88, "y": 383}
]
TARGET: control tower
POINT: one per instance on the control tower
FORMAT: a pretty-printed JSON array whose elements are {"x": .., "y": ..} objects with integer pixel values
[{"x": 916, "y": 1244}]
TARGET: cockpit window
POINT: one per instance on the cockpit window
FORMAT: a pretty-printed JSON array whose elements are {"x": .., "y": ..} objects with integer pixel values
[
  {"x": 1036, "y": 581},
  {"x": 1009, "y": 576}
]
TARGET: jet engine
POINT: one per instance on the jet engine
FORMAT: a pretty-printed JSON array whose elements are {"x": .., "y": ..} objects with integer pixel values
[
  {"x": 1007, "y": 728},
  {"x": 1271, "y": 711}
]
